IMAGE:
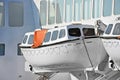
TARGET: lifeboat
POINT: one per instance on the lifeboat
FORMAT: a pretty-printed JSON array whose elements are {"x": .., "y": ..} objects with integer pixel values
[
  {"x": 67, "y": 48},
  {"x": 111, "y": 41}
]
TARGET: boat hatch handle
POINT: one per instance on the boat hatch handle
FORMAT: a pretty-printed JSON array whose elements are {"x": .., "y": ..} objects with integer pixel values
[{"x": 89, "y": 42}]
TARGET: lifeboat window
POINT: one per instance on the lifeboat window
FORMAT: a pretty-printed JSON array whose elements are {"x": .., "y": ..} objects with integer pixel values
[
  {"x": 109, "y": 29},
  {"x": 25, "y": 39},
  {"x": 88, "y": 32},
  {"x": 116, "y": 30},
  {"x": 62, "y": 33},
  {"x": 54, "y": 35},
  {"x": 30, "y": 41},
  {"x": 47, "y": 37},
  {"x": 74, "y": 32}
]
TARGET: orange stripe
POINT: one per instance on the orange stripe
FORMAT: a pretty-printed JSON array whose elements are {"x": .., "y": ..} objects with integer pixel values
[{"x": 39, "y": 36}]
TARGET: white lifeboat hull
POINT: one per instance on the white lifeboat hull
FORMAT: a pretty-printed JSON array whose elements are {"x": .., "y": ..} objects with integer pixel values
[
  {"x": 65, "y": 56},
  {"x": 112, "y": 47},
  {"x": 70, "y": 54}
]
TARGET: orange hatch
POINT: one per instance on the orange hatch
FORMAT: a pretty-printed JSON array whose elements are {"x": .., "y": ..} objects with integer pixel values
[
  {"x": 39, "y": 36},
  {"x": 118, "y": 37}
]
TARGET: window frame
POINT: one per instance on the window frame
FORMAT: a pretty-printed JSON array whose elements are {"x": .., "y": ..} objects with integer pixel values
[
  {"x": 43, "y": 12},
  {"x": 68, "y": 11},
  {"x": 59, "y": 10},
  {"x": 51, "y": 7},
  {"x": 89, "y": 35},
  {"x": 31, "y": 37},
  {"x": 16, "y": 18},
  {"x": 116, "y": 10},
  {"x": 116, "y": 28},
  {"x": 54, "y": 36},
  {"x": 104, "y": 9},
  {"x": 25, "y": 39},
  {"x": 19, "y": 52},
  {"x": 3, "y": 20},
  {"x": 87, "y": 9},
  {"x": 108, "y": 29},
  {"x": 78, "y": 10},
  {"x": 73, "y": 35},
  {"x": 3, "y": 53},
  {"x": 96, "y": 13},
  {"x": 49, "y": 37},
  {"x": 62, "y": 33}
]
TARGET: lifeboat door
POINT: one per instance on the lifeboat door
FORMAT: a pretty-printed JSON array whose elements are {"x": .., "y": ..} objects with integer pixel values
[{"x": 94, "y": 47}]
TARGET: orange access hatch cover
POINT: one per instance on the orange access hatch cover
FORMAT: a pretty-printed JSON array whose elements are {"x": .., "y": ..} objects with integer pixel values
[{"x": 39, "y": 36}]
